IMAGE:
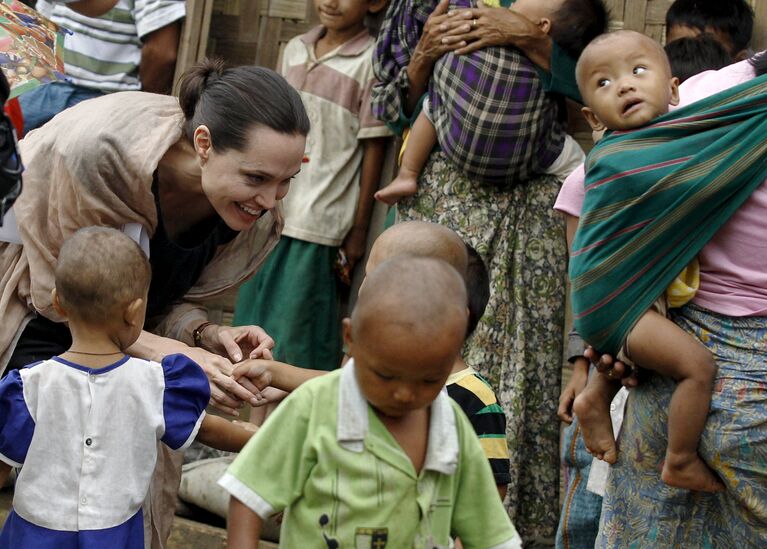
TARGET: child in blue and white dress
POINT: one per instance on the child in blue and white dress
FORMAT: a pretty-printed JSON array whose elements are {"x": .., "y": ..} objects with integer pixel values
[{"x": 84, "y": 425}]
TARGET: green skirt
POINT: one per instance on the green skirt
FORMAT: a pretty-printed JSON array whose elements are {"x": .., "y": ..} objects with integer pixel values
[{"x": 294, "y": 297}]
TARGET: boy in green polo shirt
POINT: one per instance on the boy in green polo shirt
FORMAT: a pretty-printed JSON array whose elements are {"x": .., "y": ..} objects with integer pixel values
[{"x": 376, "y": 455}]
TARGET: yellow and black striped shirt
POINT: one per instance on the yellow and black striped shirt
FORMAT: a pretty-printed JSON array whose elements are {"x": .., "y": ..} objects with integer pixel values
[{"x": 477, "y": 399}]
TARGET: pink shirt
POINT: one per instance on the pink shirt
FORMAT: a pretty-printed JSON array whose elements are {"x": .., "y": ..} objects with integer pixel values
[{"x": 733, "y": 265}]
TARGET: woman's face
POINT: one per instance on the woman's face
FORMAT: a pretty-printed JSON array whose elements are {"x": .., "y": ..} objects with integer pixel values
[{"x": 242, "y": 185}]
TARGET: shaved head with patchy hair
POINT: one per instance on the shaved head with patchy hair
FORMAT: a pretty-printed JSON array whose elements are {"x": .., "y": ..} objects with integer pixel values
[
  {"x": 419, "y": 296},
  {"x": 99, "y": 271},
  {"x": 622, "y": 36},
  {"x": 419, "y": 238}
]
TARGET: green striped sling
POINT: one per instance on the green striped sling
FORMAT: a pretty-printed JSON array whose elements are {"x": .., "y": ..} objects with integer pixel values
[{"x": 654, "y": 197}]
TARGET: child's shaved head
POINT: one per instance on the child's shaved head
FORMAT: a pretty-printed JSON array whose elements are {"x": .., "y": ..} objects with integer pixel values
[
  {"x": 419, "y": 238},
  {"x": 419, "y": 295},
  {"x": 100, "y": 270},
  {"x": 626, "y": 40}
]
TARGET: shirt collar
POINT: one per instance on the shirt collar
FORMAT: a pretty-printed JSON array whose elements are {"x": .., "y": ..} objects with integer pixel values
[
  {"x": 353, "y": 47},
  {"x": 352, "y": 427}
]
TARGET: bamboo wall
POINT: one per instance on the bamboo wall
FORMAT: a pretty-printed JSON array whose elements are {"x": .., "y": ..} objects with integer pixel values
[{"x": 253, "y": 31}]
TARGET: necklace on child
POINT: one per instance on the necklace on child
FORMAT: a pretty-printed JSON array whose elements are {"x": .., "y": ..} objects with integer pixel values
[{"x": 94, "y": 354}]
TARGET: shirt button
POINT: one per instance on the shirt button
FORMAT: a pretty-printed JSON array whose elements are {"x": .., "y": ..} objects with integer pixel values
[
  {"x": 83, "y": 500},
  {"x": 88, "y": 441}
]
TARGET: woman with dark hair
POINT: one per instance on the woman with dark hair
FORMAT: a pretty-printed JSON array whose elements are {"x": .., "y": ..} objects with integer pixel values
[
  {"x": 198, "y": 177},
  {"x": 196, "y": 181}
]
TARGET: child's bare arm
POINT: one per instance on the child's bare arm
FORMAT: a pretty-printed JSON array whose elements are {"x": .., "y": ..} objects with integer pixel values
[
  {"x": 222, "y": 434},
  {"x": 270, "y": 373},
  {"x": 370, "y": 176},
  {"x": 243, "y": 526},
  {"x": 5, "y": 470}
]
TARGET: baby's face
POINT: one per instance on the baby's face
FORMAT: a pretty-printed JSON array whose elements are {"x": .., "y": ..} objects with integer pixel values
[{"x": 625, "y": 83}]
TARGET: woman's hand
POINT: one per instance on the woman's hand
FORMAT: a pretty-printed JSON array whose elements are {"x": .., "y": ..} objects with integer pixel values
[
  {"x": 431, "y": 45},
  {"x": 237, "y": 342},
  {"x": 482, "y": 27},
  {"x": 226, "y": 394},
  {"x": 614, "y": 369},
  {"x": 576, "y": 384},
  {"x": 258, "y": 373}
]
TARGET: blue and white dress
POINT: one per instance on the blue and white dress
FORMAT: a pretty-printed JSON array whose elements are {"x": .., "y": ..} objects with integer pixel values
[{"x": 87, "y": 441}]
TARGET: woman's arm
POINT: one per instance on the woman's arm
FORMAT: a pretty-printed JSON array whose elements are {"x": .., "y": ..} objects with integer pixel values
[
  {"x": 404, "y": 78},
  {"x": 430, "y": 48}
]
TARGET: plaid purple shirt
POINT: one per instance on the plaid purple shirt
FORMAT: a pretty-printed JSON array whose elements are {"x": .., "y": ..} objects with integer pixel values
[{"x": 493, "y": 119}]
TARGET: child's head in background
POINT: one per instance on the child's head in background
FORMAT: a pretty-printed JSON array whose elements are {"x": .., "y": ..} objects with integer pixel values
[
  {"x": 731, "y": 22},
  {"x": 419, "y": 238},
  {"x": 692, "y": 55},
  {"x": 406, "y": 332},
  {"x": 572, "y": 24}
]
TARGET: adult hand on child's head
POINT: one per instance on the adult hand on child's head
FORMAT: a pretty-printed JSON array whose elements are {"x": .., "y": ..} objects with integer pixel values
[
  {"x": 482, "y": 26},
  {"x": 226, "y": 394},
  {"x": 614, "y": 369},
  {"x": 237, "y": 342}
]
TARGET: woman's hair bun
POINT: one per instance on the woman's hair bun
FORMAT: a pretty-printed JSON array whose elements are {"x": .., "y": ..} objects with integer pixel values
[{"x": 195, "y": 81}]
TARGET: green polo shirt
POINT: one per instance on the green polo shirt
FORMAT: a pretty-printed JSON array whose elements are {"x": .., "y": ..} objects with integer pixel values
[{"x": 326, "y": 457}]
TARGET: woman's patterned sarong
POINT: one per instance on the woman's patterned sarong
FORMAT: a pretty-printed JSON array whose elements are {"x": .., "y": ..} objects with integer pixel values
[{"x": 639, "y": 509}]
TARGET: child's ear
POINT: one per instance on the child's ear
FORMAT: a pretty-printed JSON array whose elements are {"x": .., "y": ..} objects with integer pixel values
[
  {"x": 545, "y": 25},
  {"x": 134, "y": 313},
  {"x": 674, "y": 83},
  {"x": 57, "y": 303},
  {"x": 346, "y": 328},
  {"x": 591, "y": 118},
  {"x": 374, "y": 6}
]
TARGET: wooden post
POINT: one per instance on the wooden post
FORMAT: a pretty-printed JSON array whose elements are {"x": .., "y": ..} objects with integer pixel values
[{"x": 194, "y": 36}]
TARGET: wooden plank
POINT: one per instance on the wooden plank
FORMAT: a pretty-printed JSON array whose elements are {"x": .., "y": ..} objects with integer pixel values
[
  {"x": 615, "y": 9},
  {"x": 656, "y": 11},
  {"x": 759, "y": 41},
  {"x": 288, "y": 9},
  {"x": 268, "y": 42},
  {"x": 189, "y": 44},
  {"x": 249, "y": 17},
  {"x": 634, "y": 14}
]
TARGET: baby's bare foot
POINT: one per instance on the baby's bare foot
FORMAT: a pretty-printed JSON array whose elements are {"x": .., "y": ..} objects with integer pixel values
[
  {"x": 689, "y": 472},
  {"x": 401, "y": 187},
  {"x": 594, "y": 419}
]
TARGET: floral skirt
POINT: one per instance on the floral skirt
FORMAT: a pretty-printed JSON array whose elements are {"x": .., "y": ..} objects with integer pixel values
[
  {"x": 518, "y": 344},
  {"x": 639, "y": 510}
]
